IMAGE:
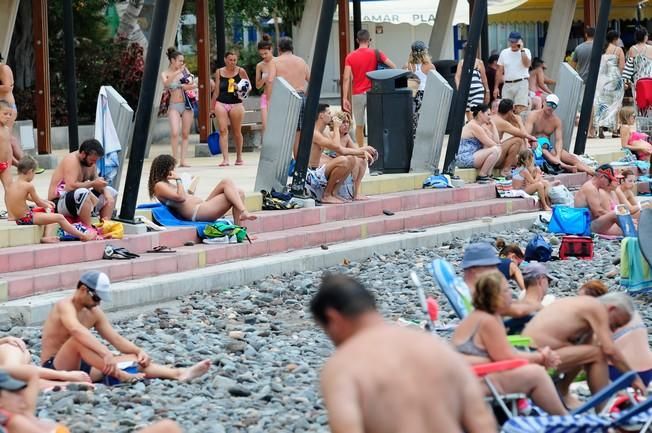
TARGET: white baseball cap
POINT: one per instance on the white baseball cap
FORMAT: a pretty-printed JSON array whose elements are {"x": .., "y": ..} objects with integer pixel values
[
  {"x": 98, "y": 282},
  {"x": 553, "y": 98}
]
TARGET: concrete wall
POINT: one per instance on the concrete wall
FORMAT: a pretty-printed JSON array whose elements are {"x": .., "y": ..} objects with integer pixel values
[{"x": 9, "y": 10}]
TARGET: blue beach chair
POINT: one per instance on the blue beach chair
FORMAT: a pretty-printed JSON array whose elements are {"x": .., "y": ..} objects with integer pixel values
[{"x": 639, "y": 415}]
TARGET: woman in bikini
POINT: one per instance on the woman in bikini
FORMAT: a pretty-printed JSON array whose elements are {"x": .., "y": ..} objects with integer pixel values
[
  {"x": 166, "y": 186},
  {"x": 481, "y": 338},
  {"x": 229, "y": 108},
  {"x": 265, "y": 74},
  {"x": 177, "y": 80}
]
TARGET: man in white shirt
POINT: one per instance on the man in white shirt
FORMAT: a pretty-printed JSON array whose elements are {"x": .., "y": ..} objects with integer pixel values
[{"x": 513, "y": 70}]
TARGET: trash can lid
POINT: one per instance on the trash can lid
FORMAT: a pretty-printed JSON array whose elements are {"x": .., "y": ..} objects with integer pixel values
[{"x": 387, "y": 74}]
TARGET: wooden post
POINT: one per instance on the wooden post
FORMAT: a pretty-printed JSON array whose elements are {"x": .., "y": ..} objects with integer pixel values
[
  {"x": 589, "y": 13},
  {"x": 203, "y": 65},
  {"x": 42, "y": 83},
  {"x": 345, "y": 38}
]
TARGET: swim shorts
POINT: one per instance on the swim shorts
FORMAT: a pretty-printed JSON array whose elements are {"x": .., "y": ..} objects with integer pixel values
[
  {"x": 70, "y": 202},
  {"x": 83, "y": 365},
  {"x": 4, "y": 165}
]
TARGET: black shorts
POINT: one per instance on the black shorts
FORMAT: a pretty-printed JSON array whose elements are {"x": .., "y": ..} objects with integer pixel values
[{"x": 83, "y": 365}]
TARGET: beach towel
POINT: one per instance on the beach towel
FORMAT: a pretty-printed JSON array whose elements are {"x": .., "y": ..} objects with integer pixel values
[
  {"x": 635, "y": 274},
  {"x": 164, "y": 216}
]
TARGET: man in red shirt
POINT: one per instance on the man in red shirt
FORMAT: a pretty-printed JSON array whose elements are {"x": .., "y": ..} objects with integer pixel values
[{"x": 356, "y": 66}]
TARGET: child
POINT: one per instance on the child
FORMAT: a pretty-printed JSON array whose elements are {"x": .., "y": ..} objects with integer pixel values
[
  {"x": 22, "y": 190},
  {"x": 6, "y": 156},
  {"x": 632, "y": 139},
  {"x": 528, "y": 177}
]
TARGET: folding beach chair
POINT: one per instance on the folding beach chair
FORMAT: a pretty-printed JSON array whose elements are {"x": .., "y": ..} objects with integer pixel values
[
  {"x": 625, "y": 221},
  {"x": 507, "y": 404},
  {"x": 457, "y": 294},
  {"x": 579, "y": 421},
  {"x": 645, "y": 234}
]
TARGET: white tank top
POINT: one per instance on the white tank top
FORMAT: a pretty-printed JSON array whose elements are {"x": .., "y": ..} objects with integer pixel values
[{"x": 421, "y": 76}]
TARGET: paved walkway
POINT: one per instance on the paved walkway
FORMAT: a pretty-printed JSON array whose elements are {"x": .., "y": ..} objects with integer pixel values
[{"x": 244, "y": 176}]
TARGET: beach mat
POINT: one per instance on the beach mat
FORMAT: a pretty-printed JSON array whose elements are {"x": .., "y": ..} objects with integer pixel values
[{"x": 163, "y": 216}]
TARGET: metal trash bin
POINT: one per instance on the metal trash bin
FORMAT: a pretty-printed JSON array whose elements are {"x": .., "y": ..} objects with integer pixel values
[{"x": 390, "y": 108}]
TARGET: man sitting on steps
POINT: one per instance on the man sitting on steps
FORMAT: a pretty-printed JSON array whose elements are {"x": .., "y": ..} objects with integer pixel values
[
  {"x": 77, "y": 190},
  {"x": 331, "y": 174}
]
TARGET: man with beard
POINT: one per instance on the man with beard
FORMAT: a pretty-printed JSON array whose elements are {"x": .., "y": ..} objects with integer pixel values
[{"x": 77, "y": 190}]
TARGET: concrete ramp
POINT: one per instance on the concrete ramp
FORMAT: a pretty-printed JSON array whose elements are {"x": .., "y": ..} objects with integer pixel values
[
  {"x": 431, "y": 127},
  {"x": 569, "y": 89},
  {"x": 7, "y": 22},
  {"x": 282, "y": 122}
]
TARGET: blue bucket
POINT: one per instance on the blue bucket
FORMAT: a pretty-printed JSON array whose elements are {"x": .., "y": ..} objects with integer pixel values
[{"x": 214, "y": 143}]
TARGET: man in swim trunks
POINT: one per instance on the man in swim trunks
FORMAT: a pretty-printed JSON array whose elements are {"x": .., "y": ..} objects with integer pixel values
[
  {"x": 543, "y": 124},
  {"x": 330, "y": 173},
  {"x": 76, "y": 188},
  {"x": 67, "y": 344},
  {"x": 580, "y": 329},
  {"x": 377, "y": 366},
  {"x": 595, "y": 194},
  {"x": 507, "y": 122},
  {"x": 296, "y": 72}
]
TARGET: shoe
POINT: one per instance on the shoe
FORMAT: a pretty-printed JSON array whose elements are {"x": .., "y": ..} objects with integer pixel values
[
  {"x": 601, "y": 133},
  {"x": 483, "y": 179}
]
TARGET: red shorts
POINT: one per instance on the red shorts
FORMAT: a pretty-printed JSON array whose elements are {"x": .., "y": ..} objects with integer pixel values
[{"x": 4, "y": 165}]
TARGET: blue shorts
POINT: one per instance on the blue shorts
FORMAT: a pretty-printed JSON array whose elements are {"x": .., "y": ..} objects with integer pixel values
[
  {"x": 646, "y": 376},
  {"x": 83, "y": 365}
]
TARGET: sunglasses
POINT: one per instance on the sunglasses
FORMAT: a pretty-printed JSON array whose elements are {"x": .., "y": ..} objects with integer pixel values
[
  {"x": 551, "y": 105},
  {"x": 94, "y": 296}
]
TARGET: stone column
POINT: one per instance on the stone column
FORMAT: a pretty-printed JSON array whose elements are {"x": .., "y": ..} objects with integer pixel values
[
  {"x": 559, "y": 28},
  {"x": 305, "y": 33},
  {"x": 441, "y": 29},
  {"x": 7, "y": 21}
]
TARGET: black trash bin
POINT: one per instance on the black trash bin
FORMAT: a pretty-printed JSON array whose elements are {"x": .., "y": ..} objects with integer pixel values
[
  {"x": 389, "y": 119},
  {"x": 447, "y": 68}
]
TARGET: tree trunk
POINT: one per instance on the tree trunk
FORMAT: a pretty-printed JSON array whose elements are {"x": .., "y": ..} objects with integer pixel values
[{"x": 22, "y": 41}]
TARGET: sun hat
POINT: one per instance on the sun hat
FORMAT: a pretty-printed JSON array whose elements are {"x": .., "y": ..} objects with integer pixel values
[
  {"x": 552, "y": 98},
  {"x": 534, "y": 270},
  {"x": 98, "y": 282},
  {"x": 9, "y": 383},
  {"x": 514, "y": 36},
  {"x": 480, "y": 254},
  {"x": 608, "y": 171}
]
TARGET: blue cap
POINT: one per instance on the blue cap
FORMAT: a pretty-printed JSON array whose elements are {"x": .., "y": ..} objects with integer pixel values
[
  {"x": 480, "y": 254},
  {"x": 514, "y": 36}
]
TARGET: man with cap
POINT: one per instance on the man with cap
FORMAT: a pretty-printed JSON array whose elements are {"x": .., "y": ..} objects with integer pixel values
[
  {"x": 479, "y": 258},
  {"x": 542, "y": 124},
  {"x": 537, "y": 279},
  {"x": 67, "y": 344},
  {"x": 595, "y": 194},
  {"x": 513, "y": 72}
]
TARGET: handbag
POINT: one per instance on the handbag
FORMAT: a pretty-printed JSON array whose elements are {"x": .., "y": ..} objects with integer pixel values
[
  {"x": 570, "y": 221},
  {"x": 560, "y": 195},
  {"x": 214, "y": 140}
]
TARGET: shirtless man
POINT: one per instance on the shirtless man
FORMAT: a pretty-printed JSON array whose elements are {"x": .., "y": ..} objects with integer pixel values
[
  {"x": 580, "y": 329},
  {"x": 333, "y": 171},
  {"x": 297, "y": 73},
  {"x": 379, "y": 366},
  {"x": 543, "y": 124},
  {"x": 67, "y": 344},
  {"x": 508, "y": 122},
  {"x": 76, "y": 189},
  {"x": 595, "y": 194}
]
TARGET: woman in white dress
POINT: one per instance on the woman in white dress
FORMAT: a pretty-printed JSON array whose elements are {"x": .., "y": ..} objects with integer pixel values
[{"x": 610, "y": 89}]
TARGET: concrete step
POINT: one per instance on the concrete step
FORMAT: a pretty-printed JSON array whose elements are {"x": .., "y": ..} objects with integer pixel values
[{"x": 50, "y": 277}]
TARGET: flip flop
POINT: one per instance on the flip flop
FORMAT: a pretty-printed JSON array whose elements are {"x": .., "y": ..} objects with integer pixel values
[
  {"x": 113, "y": 253},
  {"x": 224, "y": 164},
  {"x": 3, "y": 214},
  {"x": 161, "y": 249},
  {"x": 240, "y": 162}
]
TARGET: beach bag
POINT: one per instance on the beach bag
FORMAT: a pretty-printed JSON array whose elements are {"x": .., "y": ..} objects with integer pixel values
[
  {"x": 214, "y": 141},
  {"x": 560, "y": 195},
  {"x": 111, "y": 229},
  {"x": 222, "y": 228},
  {"x": 538, "y": 249},
  {"x": 65, "y": 236},
  {"x": 380, "y": 65},
  {"x": 576, "y": 246},
  {"x": 503, "y": 188},
  {"x": 165, "y": 103},
  {"x": 437, "y": 181},
  {"x": 570, "y": 221}
]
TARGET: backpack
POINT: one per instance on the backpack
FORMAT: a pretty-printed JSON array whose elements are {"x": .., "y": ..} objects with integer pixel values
[
  {"x": 538, "y": 249},
  {"x": 560, "y": 195},
  {"x": 222, "y": 228},
  {"x": 437, "y": 181}
]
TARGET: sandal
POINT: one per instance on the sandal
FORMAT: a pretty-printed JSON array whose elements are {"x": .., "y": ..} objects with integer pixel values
[
  {"x": 161, "y": 249},
  {"x": 223, "y": 164},
  {"x": 239, "y": 162},
  {"x": 483, "y": 179},
  {"x": 113, "y": 253}
]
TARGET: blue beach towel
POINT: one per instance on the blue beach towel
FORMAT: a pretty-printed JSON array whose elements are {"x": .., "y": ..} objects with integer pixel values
[
  {"x": 163, "y": 216},
  {"x": 635, "y": 273}
]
